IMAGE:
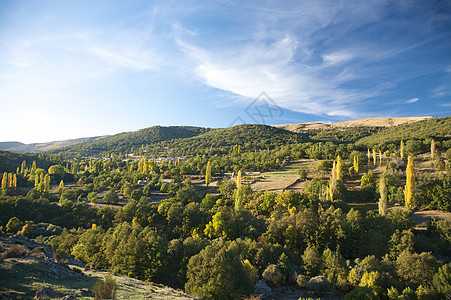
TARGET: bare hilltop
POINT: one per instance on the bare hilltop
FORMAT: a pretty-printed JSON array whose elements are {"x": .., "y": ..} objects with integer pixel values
[{"x": 368, "y": 122}]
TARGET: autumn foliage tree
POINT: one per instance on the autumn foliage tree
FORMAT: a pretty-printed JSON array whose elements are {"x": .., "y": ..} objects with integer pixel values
[{"x": 409, "y": 189}]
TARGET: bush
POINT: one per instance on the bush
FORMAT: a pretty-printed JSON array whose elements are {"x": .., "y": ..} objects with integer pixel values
[
  {"x": 272, "y": 274},
  {"x": 105, "y": 289},
  {"x": 15, "y": 251},
  {"x": 302, "y": 280}
]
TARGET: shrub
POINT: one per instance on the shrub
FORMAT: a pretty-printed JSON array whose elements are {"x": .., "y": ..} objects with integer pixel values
[
  {"x": 302, "y": 280},
  {"x": 273, "y": 274},
  {"x": 59, "y": 257},
  {"x": 105, "y": 288},
  {"x": 15, "y": 251}
]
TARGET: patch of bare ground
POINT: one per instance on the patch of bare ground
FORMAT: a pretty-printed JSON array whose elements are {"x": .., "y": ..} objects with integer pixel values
[{"x": 421, "y": 217}]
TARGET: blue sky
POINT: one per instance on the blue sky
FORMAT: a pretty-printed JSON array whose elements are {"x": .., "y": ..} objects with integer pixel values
[{"x": 73, "y": 69}]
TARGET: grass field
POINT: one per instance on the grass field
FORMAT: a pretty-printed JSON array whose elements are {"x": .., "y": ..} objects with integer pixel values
[{"x": 282, "y": 178}]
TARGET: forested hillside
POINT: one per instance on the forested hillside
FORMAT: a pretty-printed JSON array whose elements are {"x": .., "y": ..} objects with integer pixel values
[
  {"x": 357, "y": 222},
  {"x": 124, "y": 142},
  {"x": 434, "y": 128}
]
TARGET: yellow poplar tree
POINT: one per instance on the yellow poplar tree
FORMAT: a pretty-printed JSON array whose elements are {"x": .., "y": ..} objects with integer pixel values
[
  {"x": 10, "y": 180},
  {"x": 208, "y": 174},
  {"x": 356, "y": 164},
  {"x": 14, "y": 181},
  {"x": 369, "y": 156},
  {"x": 5, "y": 181},
  {"x": 409, "y": 189},
  {"x": 333, "y": 181},
  {"x": 61, "y": 187},
  {"x": 238, "y": 179}
]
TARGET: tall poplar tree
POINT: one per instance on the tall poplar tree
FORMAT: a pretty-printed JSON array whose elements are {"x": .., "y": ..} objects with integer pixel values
[
  {"x": 5, "y": 181},
  {"x": 339, "y": 168},
  {"x": 383, "y": 196},
  {"x": 61, "y": 187},
  {"x": 374, "y": 157},
  {"x": 356, "y": 164},
  {"x": 409, "y": 189},
  {"x": 380, "y": 158},
  {"x": 432, "y": 149},
  {"x": 369, "y": 156},
  {"x": 401, "y": 150},
  {"x": 208, "y": 174},
  {"x": 238, "y": 193},
  {"x": 333, "y": 181},
  {"x": 238, "y": 179},
  {"x": 10, "y": 180}
]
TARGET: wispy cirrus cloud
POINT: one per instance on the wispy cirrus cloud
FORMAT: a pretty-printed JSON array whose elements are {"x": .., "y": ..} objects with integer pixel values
[{"x": 412, "y": 100}]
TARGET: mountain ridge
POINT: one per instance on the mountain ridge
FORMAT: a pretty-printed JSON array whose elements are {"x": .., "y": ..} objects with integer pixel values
[{"x": 367, "y": 122}]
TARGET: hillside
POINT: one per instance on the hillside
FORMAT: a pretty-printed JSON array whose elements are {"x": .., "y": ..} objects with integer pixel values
[
  {"x": 248, "y": 137},
  {"x": 10, "y": 145},
  {"x": 28, "y": 267},
  {"x": 9, "y": 161},
  {"x": 437, "y": 128},
  {"x": 123, "y": 142},
  {"x": 368, "y": 122},
  {"x": 41, "y": 147}
]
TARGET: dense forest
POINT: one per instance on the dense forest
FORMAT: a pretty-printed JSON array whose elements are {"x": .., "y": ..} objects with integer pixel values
[{"x": 176, "y": 205}]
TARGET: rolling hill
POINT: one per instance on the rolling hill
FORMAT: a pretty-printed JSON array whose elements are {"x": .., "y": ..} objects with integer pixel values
[
  {"x": 123, "y": 142},
  {"x": 368, "y": 122},
  {"x": 41, "y": 147},
  {"x": 436, "y": 128},
  {"x": 249, "y": 136}
]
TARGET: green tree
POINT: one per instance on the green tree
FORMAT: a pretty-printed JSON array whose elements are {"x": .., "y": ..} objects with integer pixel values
[
  {"x": 13, "y": 225},
  {"x": 402, "y": 150},
  {"x": 356, "y": 164},
  {"x": 416, "y": 268},
  {"x": 433, "y": 149},
  {"x": 303, "y": 173},
  {"x": 383, "y": 196},
  {"x": 442, "y": 279},
  {"x": 208, "y": 174},
  {"x": 61, "y": 187},
  {"x": 217, "y": 273},
  {"x": 110, "y": 197}
]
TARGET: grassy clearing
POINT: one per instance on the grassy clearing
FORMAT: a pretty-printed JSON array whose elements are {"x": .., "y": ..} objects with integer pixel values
[{"x": 284, "y": 177}]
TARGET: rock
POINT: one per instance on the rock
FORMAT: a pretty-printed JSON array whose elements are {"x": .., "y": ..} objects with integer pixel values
[
  {"x": 47, "y": 292},
  {"x": 85, "y": 293},
  {"x": 262, "y": 290},
  {"x": 69, "y": 297},
  {"x": 319, "y": 285}
]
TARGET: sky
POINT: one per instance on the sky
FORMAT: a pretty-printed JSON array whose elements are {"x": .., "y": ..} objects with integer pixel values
[{"x": 71, "y": 69}]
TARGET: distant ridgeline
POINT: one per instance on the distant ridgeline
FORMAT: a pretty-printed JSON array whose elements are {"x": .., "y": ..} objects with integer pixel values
[{"x": 187, "y": 140}]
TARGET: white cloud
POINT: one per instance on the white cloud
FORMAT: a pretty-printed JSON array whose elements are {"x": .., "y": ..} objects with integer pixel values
[
  {"x": 336, "y": 58},
  {"x": 413, "y": 100}
]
